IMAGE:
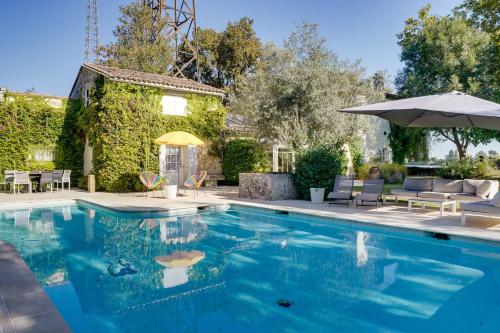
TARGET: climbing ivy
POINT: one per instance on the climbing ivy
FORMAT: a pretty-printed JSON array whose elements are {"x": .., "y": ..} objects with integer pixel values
[
  {"x": 123, "y": 121},
  {"x": 27, "y": 122}
]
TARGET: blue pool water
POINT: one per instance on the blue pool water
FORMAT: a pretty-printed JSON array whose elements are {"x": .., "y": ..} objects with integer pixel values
[{"x": 238, "y": 270}]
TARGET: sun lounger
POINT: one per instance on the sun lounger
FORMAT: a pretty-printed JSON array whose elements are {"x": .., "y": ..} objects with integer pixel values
[
  {"x": 342, "y": 189},
  {"x": 372, "y": 192}
]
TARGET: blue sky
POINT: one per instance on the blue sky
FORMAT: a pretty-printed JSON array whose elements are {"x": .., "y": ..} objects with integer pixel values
[{"x": 42, "y": 41}]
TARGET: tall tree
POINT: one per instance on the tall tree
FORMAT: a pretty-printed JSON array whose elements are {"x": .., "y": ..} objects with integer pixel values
[
  {"x": 409, "y": 143},
  {"x": 141, "y": 43},
  {"x": 296, "y": 89},
  {"x": 440, "y": 54},
  {"x": 485, "y": 15},
  {"x": 225, "y": 56}
]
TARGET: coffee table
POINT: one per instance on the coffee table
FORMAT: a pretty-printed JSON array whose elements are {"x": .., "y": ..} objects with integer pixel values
[{"x": 442, "y": 203}]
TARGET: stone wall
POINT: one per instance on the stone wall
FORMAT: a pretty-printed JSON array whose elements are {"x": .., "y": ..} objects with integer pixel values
[{"x": 266, "y": 186}]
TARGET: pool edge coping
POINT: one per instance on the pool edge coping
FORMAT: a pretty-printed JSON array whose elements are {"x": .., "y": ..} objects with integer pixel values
[
  {"x": 23, "y": 301},
  {"x": 484, "y": 239}
]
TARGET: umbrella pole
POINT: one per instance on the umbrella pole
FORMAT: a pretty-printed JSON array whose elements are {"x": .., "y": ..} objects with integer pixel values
[{"x": 178, "y": 174}]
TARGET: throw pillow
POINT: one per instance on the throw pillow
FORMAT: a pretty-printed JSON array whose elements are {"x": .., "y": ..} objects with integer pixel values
[{"x": 483, "y": 190}]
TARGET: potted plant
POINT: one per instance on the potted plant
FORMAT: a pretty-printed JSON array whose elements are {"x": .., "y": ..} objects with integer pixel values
[{"x": 317, "y": 194}]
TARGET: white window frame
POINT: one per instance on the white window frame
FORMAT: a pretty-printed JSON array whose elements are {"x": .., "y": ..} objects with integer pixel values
[{"x": 173, "y": 158}]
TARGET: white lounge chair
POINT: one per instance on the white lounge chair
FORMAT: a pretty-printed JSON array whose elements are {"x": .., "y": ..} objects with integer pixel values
[{"x": 480, "y": 208}]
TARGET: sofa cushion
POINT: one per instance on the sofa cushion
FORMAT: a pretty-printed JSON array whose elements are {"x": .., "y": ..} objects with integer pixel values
[
  {"x": 404, "y": 193},
  {"x": 496, "y": 200},
  {"x": 447, "y": 186},
  {"x": 470, "y": 185},
  {"x": 418, "y": 184},
  {"x": 438, "y": 195},
  {"x": 483, "y": 190},
  {"x": 464, "y": 197},
  {"x": 484, "y": 206}
]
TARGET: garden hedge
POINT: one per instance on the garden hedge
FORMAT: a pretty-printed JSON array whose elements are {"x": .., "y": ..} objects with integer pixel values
[
  {"x": 27, "y": 121},
  {"x": 317, "y": 167},
  {"x": 244, "y": 155}
]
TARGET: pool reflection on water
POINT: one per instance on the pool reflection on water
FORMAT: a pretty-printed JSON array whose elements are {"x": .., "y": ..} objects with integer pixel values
[{"x": 250, "y": 270}]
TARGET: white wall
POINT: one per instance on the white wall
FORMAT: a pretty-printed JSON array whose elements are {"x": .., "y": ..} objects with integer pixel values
[
  {"x": 174, "y": 105},
  {"x": 376, "y": 141}
]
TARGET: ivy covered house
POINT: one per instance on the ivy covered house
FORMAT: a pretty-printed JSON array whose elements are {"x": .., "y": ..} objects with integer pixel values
[{"x": 123, "y": 111}]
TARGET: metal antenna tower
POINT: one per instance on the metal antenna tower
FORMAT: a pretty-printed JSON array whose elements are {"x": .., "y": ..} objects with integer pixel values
[
  {"x": 92, "y": 31},
  {"x": 181, "y": 27}
]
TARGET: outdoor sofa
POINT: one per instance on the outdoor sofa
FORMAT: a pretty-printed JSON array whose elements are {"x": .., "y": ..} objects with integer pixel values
[
  {"x": 489, "y": 208},
  {"x": 461, "y": 190}
]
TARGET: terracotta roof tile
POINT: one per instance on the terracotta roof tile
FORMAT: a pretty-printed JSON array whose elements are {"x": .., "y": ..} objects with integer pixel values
[{"x": 164, "y": 81}]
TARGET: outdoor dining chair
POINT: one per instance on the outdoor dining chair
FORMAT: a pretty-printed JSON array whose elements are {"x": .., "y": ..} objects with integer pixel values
[
  {"x": 63, "y": 177},
  {"x": 22, "y": 179},
  {"x": 8, "y": 178},
  {"x": 46, "y": 181},
  {"x": 57, "y": 177}
]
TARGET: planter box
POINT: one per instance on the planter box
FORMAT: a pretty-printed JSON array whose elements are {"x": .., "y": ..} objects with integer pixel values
[
  {"x": 317, "y": 195},
  {"x": 91, "y": 183},
  {"x": 266, "y": 186},
  {"x": 170, "y": 191}
]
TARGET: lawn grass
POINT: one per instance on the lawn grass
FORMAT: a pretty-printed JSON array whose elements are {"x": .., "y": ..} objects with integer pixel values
[{"x": 387, "y": 188}]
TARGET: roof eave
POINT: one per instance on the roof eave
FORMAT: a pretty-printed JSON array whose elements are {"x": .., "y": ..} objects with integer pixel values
[{"x": 164, "y": 86}]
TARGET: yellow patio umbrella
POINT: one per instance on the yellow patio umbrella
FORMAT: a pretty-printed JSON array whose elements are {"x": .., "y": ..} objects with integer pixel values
[{"x": 180, "y": 139}]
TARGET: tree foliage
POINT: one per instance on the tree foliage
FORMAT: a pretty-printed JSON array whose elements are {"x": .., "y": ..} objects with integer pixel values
[
  {"x": 225, "y": 56},
  {"x": 141, "y": 43},
  {"x": 441, "y": 54},
  {"x": 409, "y": 143},
  {"x": 296, "y": 89}
]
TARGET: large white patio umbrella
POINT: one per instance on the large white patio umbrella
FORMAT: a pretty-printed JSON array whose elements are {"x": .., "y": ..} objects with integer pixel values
[{"x": 454, "y": 109}]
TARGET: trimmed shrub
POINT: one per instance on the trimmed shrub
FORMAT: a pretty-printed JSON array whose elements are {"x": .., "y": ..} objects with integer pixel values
[
  {"x": 317, "y": 167},
  {"x": 465, "y": 168},
  {"x": 244, "y": 155},
  {"x": 357, "y": 155}
]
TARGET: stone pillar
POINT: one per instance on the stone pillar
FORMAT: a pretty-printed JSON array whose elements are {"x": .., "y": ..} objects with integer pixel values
[
  {"x": 348, "y": 155},
  {"x": 275, "y": 158}
]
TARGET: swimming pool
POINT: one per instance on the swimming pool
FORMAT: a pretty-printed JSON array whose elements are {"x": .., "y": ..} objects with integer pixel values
[{"x": 251, "y": 270}]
